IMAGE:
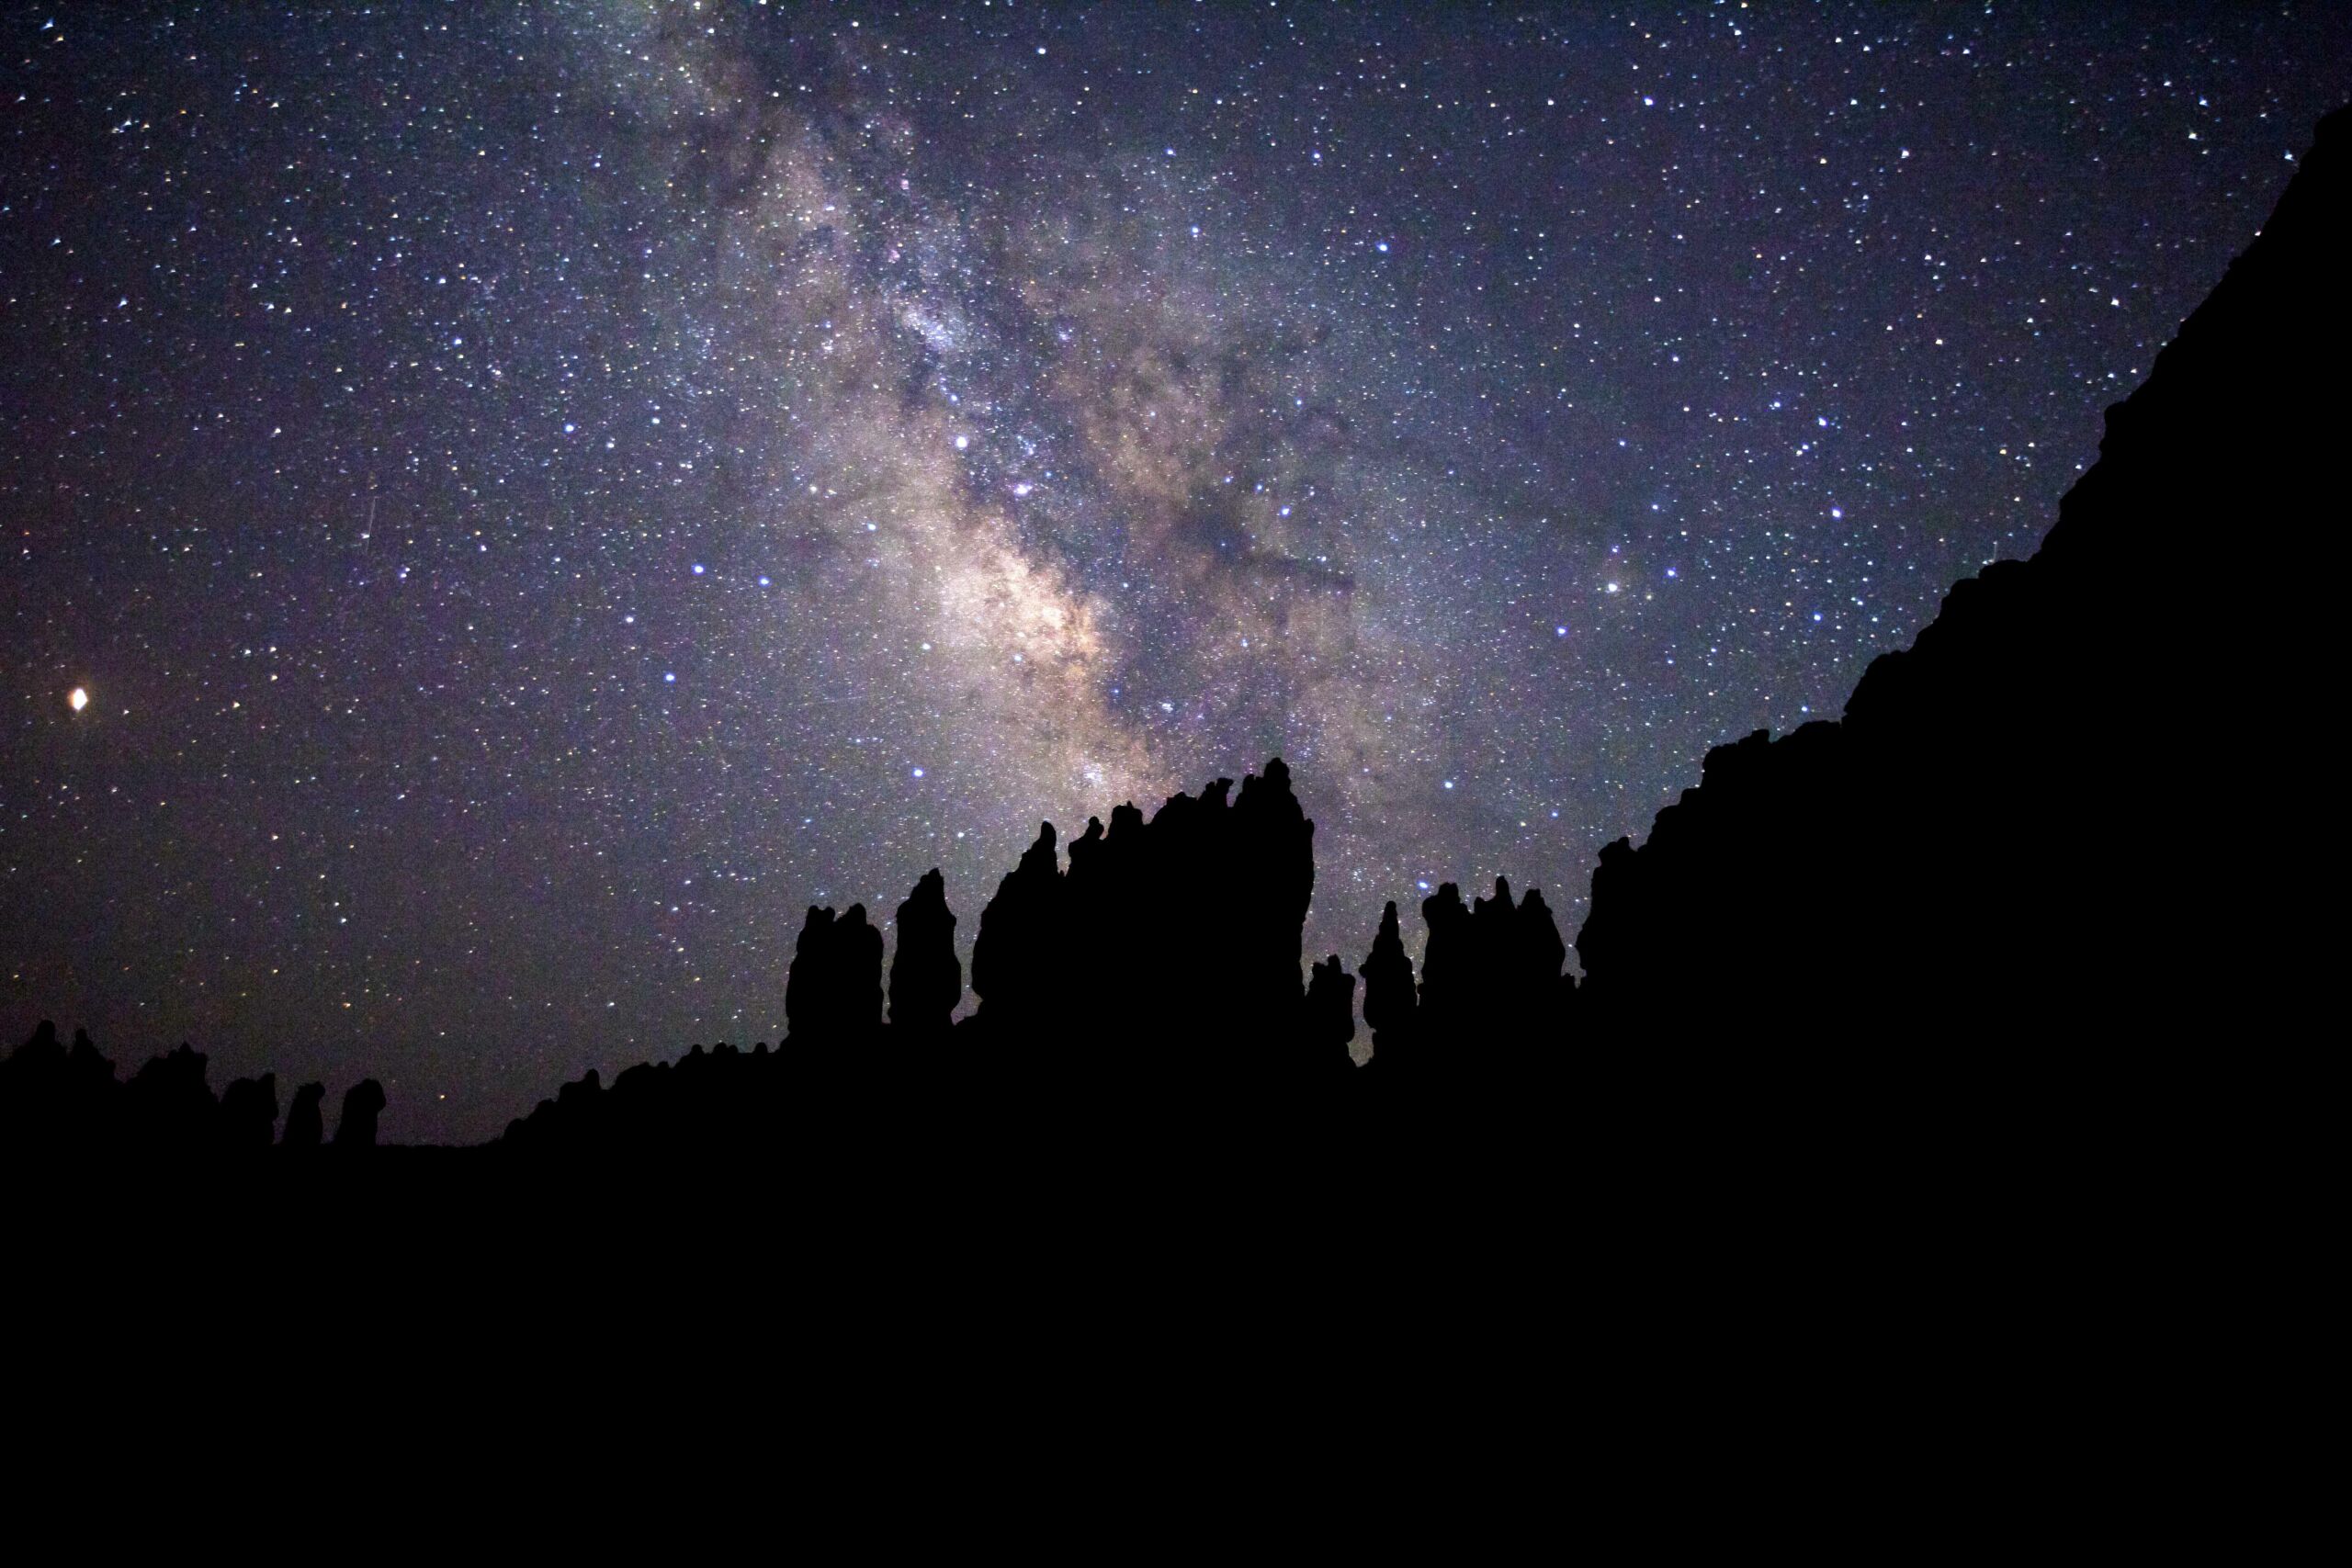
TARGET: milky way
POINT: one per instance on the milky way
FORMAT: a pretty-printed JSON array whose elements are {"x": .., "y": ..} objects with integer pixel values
[{"x": 536, "y": 497}]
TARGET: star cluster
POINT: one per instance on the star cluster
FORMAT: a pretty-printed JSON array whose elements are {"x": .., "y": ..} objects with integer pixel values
[{"x": 507, "y": 507}]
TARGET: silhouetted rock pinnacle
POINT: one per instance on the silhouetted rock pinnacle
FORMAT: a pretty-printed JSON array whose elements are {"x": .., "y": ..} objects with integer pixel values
[
  {"x": 305, "y": 1127},
  {"x": 362, "y": 1103},
  {"x": 1389, "y": 997},
  {"x": 926, "y": 977}
]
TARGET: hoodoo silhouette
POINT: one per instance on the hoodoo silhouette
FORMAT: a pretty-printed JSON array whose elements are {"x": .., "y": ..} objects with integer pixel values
[
  {"x": 305, "y": 1127},
  {"x": 926, "y": 977},
  {"x": 363, "y": 1103},
  {"x": 57, "y": 1103},
  {"x": 1389, "y": 996},
  {"x": 1961, "y": 907}
]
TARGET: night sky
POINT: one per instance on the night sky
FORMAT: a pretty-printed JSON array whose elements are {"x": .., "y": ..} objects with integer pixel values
[{"x": 535, "y": 496}]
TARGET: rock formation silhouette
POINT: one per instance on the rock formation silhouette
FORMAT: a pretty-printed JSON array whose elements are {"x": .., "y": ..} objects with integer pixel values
[
  {"x": 363, "y": 1103},
  {"x": 1985, "y": 850},
  {"x": 926, "y": 977},
  {"x": 249, "y": 1113},
  {"x": 304, "y": 1127},
  {"x": 67, "y": 1104},
  {"x": 1390, "y": 998},
  {"x": 1960, "y": 906},
  {"x": 1330, "y": 1021},
  {"x": 1022, "y": 931},
  {"x": 833, "y": 994},
  {"x": 170, "y": 1109}
]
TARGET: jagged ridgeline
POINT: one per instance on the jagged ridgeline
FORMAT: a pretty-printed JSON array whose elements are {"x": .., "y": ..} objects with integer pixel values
[
  {"x": 56, "y": 1098},
  {"x": 1157, "y": 974},
  {"x": 2037, "y": 826},
  {"x": 1964, "y": 905}
]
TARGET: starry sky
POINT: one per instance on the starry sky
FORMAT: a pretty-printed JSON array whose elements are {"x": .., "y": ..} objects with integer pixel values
[{"x": 533, "y": 497}]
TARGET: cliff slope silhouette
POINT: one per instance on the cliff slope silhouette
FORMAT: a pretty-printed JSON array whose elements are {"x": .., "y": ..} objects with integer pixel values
[{"x": 2036, "y": 826}]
